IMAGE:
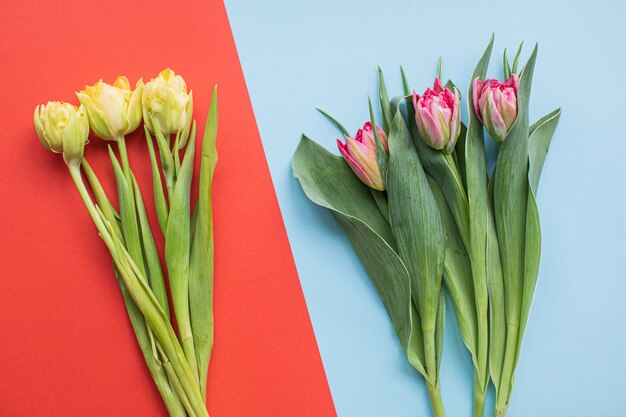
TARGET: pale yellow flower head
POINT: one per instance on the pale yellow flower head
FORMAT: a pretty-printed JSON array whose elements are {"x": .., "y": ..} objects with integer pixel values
[
  {"x": 113, "y": 110},
  {"x": 62, "y": 128},
  {"x": 165, "y": 101}
]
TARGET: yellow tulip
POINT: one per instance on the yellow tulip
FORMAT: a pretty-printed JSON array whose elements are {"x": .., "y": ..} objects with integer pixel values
[
  {"x": 165, "y": 101},
  {"x": 62, "y": 128},
  {"x": 113, "y": 110}
]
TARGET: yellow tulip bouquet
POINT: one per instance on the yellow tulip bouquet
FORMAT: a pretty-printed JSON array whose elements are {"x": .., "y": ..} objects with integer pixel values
[{"x": 178, "y": 361}]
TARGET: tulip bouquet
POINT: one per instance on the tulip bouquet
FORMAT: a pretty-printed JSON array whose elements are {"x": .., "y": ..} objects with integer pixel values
[
  {"x": 178, "y": 361},
  {"x": 422, "y": 212}
]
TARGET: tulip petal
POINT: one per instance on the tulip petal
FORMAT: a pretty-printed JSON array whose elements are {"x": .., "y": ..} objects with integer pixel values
[
  {"x": 493, "y": 121},
  {"x": 430, "y": 130},
  {"x": 353, "y": 164},
  {"x": 476, "y": 93}
]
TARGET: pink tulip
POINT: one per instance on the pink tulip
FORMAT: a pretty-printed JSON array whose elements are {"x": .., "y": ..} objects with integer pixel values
[
  {"x": 495, "y": 104},
  {"x": 438, "y": 116},
  {"x": 360, "y": 154}
]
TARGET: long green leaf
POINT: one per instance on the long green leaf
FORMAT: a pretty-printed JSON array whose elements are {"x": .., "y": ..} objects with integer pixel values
[
  {"x": 510, "y": 199},
  {"x": 101, "y": 198},
  {"x": 153, "y": 261},
  {"x": 495, "y": 284},
  {"x": 177, "y": 251},
  {"x": 329, "y": 182},
  {"x": 441, "y": 320},
  {"x": 201, "y": 261},
  {"x": 511, "y": 205},
  {"x": 128, "y": 215},
  {"x": 336, "y": 122},
  {"x": 458, "y": 275},
  {"x": 476, "y": 177},
  {"x": 385, "y": 105},
  {"x": 538, "y": 144},
  {"x": 419, "y": 234},
  {"x": 159, "y": 195},
  {"x": 415, "y": 221}
]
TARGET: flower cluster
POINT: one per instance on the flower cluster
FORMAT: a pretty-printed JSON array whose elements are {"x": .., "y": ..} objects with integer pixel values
[
  {"x": 178, "y": 361},
  {"x": 423, "y": 213},
  {"x": 113, "y": 111}
]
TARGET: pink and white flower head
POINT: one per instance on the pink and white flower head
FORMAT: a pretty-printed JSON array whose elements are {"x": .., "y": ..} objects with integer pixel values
[
  {"x": 360, "y": 154},
  {"x": 495, "y": 104},
  {"x": 438, "y": 116}
]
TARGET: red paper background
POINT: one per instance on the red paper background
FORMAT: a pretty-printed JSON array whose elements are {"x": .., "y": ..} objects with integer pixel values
[{"x": 66, "y": 345}]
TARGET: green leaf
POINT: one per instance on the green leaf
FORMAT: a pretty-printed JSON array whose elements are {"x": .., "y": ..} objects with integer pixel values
[
  {"x": 476, "y": 177},
  {"x": 176, "y": 154},
  {"x": 177, "y": 252},
  {"x": 516, "y": 59},
  {"x": 415, "y": 352},
  {"x": 505, "y": 65},
  {"x": 101, "y": 198},
  {"x": 495, "y": 284},
  {"x": 415, "y": 222},
  {"x": 385, "y": 105},
  {"x": 386, "y": 270},
  {"x": 532, "y": 255},
  {"x": 329, "y": 182},
  {"x": 441, "y": 320},
  {"x": 538, "y": 144},
  {"x": 167, "y": 159},
  {"x": 201, "y": 261},
  {"x": 517, "y": 225},
  {"x": 130, "y": 227},
  {"x": 440, "y": 68},
  {"x": 159, "y": 195},
  {"x": 335, "y": 122},
  {"x": 510, "y": 199},
  {"x": 153, "y": 261},
  {"x": 458, "y": 274}
]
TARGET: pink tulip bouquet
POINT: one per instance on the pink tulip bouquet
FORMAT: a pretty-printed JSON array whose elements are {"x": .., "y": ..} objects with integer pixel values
[{"x": 419, "y": 207}]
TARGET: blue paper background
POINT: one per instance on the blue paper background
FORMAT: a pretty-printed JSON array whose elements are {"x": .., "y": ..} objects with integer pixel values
[{"x": 299, "y": 55}]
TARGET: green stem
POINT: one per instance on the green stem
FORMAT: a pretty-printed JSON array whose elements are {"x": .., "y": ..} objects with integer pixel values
[
  {"x": 434, "y": 394},
  {"x": 506, "y": 382},
  {"x": 144, "y": 300},
  {"x": 431, "y": 369},
  {"x": 479, "y": 397},
  {"x": 121, "y": 144}
]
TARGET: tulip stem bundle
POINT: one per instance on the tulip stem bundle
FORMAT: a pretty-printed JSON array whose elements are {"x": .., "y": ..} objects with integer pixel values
[
  {"x": 422, "y": 212},
  {"x": 178, "y": 362}
]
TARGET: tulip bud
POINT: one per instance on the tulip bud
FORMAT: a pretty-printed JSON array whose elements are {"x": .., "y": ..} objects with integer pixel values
[
  {"x": 165, "y": 101},
  {"x": 62, "y": 128},
  {"x": 495, "y": 104},
  {"x": 360, "y": 154},
  {"x": 438, "y": 116},
  {"x": 113, "y": 110}
]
